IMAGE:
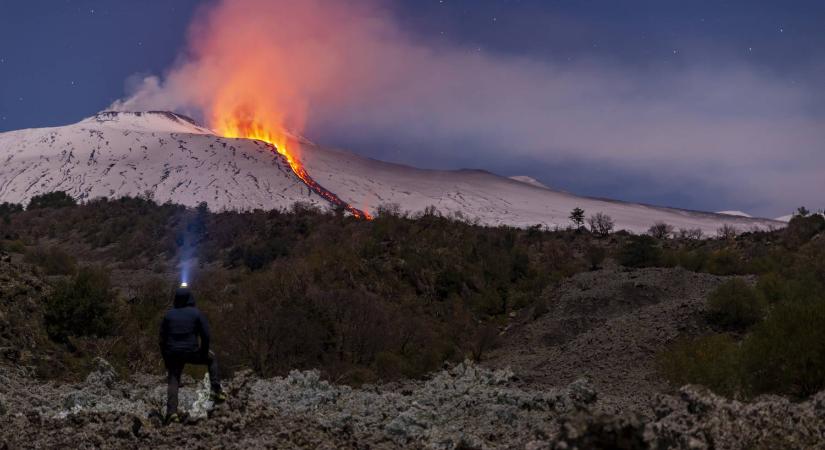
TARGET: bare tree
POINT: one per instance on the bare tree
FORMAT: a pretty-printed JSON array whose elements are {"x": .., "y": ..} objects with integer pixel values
[
  {"x": 660, "y": 230},
  {"x": 600, "y": 224},
  {"x": 690, "y": 233},
  {"x": 727, "y": 231}
]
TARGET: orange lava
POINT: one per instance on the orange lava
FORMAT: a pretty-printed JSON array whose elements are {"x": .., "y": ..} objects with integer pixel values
[{"x": 241, "y": 123}]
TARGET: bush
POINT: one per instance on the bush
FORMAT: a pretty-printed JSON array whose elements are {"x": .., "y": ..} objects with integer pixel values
[
  {"x": 52, "y": 260},
  {"x": 15, "y": 246},
  {"x": 595, "y": 256},
  {"x": 736, "y": 304},
  {"x": 727, "y": 232},
  {"x": 7, "y": 209},
  {"x": 786, "y": 352},
  {"x": 724, "y": 262},
  {"x": 711, "y": 361},
  {"x": 51, "y": 200},
  {"x": 640, "y": 251},
  {"x": 802, "y": 228},
  {"x": 660, "y": 230},
  {"x": 690, "y": 233},
  {"x": 772, "y": 287},
  {"x": 601, "y": 224},
  {"x": 693, "y": 260},
  {"x": 81, "y": 306}
]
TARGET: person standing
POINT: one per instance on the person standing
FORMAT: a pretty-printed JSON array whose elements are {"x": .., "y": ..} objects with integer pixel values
[{"x": 185, "y": 339}]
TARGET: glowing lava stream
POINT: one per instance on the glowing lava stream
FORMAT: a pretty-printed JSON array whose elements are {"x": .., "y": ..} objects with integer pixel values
[{"x": 279, "y": 144}]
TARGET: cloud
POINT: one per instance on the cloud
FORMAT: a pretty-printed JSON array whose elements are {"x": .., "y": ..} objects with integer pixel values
[{"x": 346, "y": 67}]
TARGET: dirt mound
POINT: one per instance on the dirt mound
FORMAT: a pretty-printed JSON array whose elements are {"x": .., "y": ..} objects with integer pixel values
[
  {"x": 20, "y": 314},
  {"x": 608, "y": 325}
]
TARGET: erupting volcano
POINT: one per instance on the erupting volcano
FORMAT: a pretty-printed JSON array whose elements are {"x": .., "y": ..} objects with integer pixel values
[{"x": 241, "y": 124}]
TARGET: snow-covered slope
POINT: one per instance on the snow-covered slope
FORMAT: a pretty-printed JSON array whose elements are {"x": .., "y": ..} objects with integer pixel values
[
  {"x": 494, "y": 200},
  {"x": 168, "y": 155},
  {"x": 174, "y": 159}
]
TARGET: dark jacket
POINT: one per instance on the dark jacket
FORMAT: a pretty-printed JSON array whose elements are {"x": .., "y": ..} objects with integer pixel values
[{"x": 183, "y": 325}]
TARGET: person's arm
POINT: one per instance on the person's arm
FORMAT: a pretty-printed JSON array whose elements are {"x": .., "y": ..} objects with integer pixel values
[{"x": 205, "y": 334}]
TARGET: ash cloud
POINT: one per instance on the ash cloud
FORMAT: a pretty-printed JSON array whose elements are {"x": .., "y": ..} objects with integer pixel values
[{"x": 348, "y": 70}]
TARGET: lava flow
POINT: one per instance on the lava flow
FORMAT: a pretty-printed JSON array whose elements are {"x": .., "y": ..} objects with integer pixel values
[{"x": 250, "y": 129}]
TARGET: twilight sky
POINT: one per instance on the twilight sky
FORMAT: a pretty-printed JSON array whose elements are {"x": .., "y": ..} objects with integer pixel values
[{"x": 704, "y": 104}]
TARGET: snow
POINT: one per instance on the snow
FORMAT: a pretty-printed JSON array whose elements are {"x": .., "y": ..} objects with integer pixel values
[
  {"x": 529, "y": 180},
  {"x": 491, "y": 199},
  {"x": 174, "y": 159},
  {"x": 734, "y": 213},
  {"x": 118, "y": 154}
]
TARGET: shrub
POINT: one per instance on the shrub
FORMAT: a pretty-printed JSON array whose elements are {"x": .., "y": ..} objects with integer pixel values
[
  {"x": 772, "y": 287},
  {"x": 595, "y": 256},
  {"x": 601, "y": 224},
  {"x": 388, "y": 210},
  {"x": 693, "y": 260},
  {"x": 484, "y": 340},
  {"x": 802, "y": 228},
  {"x": 786, "y": 352},
  {"x": 80, "y": 306},
  {"x": 736, "y": 304},
  {"x": 7, "y": 208},
  {"x": 727, "y": 232},
  {"x": 51, "y": 200},
  {"x": 711, "y": 361},
  {"x": 640, "y": 251},
  {"x": 724, "y": 262},
  {"x": 52, "y": 260},
  {"x": 660, "y": 230},
  {"x": 690, "y": 233},
  {"x": 15, "y": 246}
]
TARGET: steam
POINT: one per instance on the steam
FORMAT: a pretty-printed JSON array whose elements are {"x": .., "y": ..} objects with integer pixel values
[{"x": 345, "y": 68}]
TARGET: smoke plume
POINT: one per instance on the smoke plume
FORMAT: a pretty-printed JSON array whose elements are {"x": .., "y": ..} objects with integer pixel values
[{"x": 345, "y": 68}]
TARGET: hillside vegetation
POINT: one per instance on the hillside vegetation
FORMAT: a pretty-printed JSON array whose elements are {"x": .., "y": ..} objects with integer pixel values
[{"x": 397, "y": 296}]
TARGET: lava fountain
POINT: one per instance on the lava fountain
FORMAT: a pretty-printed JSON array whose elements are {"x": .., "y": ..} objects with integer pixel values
[{"x": 243, "y": 123}]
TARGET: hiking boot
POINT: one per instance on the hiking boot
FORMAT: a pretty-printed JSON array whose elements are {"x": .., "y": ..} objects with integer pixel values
[{"x": 217, "y": 397}]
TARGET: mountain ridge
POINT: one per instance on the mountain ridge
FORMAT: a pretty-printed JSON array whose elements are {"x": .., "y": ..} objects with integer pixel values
[{"x": 171, "y": 157}]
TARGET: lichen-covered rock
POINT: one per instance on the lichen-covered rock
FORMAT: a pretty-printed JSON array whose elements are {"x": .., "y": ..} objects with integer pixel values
[{"x": 466, "y": 406}]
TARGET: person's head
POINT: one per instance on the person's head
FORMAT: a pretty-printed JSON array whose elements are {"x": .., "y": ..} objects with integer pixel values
[{"x": 184, "y": 297}]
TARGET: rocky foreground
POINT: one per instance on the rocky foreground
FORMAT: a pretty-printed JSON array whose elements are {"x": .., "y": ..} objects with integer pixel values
[{"x": 465, "y": 406}]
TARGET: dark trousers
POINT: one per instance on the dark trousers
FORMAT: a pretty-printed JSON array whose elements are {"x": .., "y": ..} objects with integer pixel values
[{"x": 174, "y": 368}]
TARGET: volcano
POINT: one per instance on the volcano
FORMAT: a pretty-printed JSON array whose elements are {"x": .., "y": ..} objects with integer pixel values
[{"x": 169, "y": 157}]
